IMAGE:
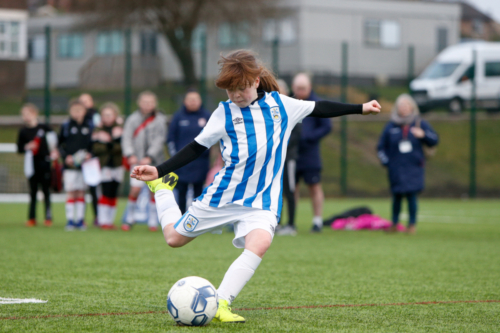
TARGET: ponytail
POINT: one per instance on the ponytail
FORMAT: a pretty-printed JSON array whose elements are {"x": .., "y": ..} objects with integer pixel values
[{"x": 240, "y": 69}]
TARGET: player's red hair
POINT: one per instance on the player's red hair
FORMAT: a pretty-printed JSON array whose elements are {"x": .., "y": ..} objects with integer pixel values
[{"x": 240, "y": 69}]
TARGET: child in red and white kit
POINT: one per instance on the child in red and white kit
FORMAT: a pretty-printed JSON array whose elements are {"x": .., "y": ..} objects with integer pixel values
[
  {"x": 74, "y": 147},
  {"x": 106, "y": 145}
]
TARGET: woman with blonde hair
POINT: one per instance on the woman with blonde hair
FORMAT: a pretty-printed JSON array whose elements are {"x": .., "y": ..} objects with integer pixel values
[
  {"x": 401, "y": 150},
  {"x": 253, "y": 128}
]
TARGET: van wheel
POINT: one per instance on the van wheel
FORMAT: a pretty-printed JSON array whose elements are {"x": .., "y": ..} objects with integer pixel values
[{"x": 455, "y": 106}]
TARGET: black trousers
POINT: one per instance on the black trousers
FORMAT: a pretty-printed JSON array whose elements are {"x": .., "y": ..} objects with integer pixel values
[
  {"x": 289, "y": 189},
  {"x": 183, "y": 187},
  {"x": 41, "y": 177},
  {"x": 93, "y": 194}
]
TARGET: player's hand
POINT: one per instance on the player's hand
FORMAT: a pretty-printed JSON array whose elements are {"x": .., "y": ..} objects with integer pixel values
[
  {"x": 69, "y": 160},
  {"x": 132, "y": 160},
  {"x": 417, "y": 132},
  {"x": 32, "y": 145},
  {"x": 145, "y": 161},
  {"x": 116, "y": 132},
  {"x": 372, "y": 107},
  {"x": 144, "y": 172}
]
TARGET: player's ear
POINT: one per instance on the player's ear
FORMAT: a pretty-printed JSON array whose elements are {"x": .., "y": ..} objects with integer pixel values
[{"x": 257, "y": 82}]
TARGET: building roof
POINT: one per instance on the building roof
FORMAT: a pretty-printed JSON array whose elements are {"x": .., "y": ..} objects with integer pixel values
[{"x": 470, "y": 13}]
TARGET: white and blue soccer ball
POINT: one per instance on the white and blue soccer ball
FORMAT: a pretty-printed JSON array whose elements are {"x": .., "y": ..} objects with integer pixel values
[{"x": 192, "y": 301}]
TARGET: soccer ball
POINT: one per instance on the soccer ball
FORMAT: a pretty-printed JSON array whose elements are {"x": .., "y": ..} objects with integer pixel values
[{"x": 192, "y": 301}]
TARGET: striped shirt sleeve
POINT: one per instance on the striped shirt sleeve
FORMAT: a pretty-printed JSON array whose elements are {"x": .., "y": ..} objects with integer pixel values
[
  {"x": 297, "y": 109},
  {"x": 214, "y": 130}
]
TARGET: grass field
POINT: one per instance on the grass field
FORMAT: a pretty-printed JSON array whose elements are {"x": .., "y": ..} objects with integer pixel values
[{"x": 454, "y": 257}]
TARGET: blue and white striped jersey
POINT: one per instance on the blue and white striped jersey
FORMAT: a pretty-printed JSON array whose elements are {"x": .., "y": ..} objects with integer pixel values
[{"x": 253, "y": 142}]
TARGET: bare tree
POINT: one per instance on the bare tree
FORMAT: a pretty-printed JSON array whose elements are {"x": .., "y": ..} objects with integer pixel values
[{"x": 174, "y": 19}]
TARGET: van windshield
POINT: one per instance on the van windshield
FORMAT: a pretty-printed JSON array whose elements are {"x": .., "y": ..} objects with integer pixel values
[{"x": 439, "y": 70}]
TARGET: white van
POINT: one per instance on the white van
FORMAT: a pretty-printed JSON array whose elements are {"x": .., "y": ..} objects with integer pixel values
[{"x": 447, "y": 81}]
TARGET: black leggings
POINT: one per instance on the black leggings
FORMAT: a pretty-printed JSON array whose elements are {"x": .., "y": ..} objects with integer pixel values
[
  {"x": 412, "y": 207},
  {"x": 183, "y": 190},
  {"x": 289, "y": 189},
  {"x": 93, "y": 194},
  {"x": 110, "y": 189},
  {"x": 42, "y": 177}
]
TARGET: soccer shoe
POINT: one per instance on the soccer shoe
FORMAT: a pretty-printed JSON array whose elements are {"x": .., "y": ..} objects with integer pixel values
[
  {"x": 287, "y": 230},
  {"x": 153, "y": 229},
  {"x": 224, "y": 314},
  {"x": 70, "y": 226},
  {"x": 126, "y": 227},
  {"x": 31, "y": 223},
  {"x": 411, "y": 230},
  {"x": 81, "y": 225},
  {"x": 315, "y": 229},
  {"x": 107, "y": 227},
  {"x": 167, "y": 182},
  {"x": 47, "y": 223}
]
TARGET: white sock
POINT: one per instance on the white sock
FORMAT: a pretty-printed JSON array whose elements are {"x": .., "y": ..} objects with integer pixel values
[
  {"x": 318, "y": 221},
  {"x": 80, "y": 209},
  {"x": 102, "y": 213},
  {"x": 238, "y": 274},
  {"x": 111, "y": 214},
  {"x": 167, "y": 208},
  {"x": 70, "y": 209},
  {"x": 131, "y": 205},
  {"x": 153, "y": 216}
]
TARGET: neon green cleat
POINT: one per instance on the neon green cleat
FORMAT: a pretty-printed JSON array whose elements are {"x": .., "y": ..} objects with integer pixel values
[
  {"x": 224, "y": 314},
  {"x": 167, "y": 182}
]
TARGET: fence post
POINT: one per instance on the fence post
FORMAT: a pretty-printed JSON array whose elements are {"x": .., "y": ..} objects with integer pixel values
[
  {"x": 203, "y": 78},
  {"x": 343, "y": 122},
  {"x": 411, "y": 64},
  {"x": 128, "y": 72},
  {"x": 276, "y": 44},
  {"x": 47, "y": 98},
  {"x": 472, "y": 179}
]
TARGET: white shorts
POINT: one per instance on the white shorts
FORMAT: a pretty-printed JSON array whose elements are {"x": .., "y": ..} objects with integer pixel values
[
  {"x": 112, "y": 174},
  {"x": 200, "y": 219},
  {"x": 73, "y": 180}
]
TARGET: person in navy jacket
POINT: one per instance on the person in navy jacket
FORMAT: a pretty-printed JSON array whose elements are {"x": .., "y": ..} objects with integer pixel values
[
  {"x": 401, "y": 150},
  {"x": 186, "y": 124},
  {"x": 309, "y": 160}
]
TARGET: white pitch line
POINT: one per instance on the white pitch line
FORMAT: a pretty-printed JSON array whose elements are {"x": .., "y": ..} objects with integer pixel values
[{"x": 4, "y": 300}]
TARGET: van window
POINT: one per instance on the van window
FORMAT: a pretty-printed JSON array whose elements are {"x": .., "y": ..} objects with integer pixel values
[
  {"x": 469, "y": 73},
  {"x": 439, "y": 70},
  {"x": 492, "y": 69}
]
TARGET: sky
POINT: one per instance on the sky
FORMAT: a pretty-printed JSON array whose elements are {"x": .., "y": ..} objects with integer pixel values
[{"x": 490, "y": 7}]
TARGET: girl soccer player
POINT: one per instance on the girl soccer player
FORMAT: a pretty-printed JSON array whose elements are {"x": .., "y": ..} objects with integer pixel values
[
  {"x": 253, "y": 128},
  {"x": 106, "y": 145}
]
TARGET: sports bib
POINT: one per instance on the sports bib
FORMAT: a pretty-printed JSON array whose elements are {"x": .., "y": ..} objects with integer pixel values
[{"x": 405, "y": 146}]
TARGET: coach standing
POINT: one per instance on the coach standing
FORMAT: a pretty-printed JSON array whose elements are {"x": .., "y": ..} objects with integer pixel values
[
  {"x": 401, "y": 150},
  {"x": 186, "y": 124},
  {"x": 309, "y": 160}
]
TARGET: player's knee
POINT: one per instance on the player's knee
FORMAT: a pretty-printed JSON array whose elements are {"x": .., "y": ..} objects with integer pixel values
[
  {"x": 261, "y": 248},
  {"x": 174, "y": 241}
]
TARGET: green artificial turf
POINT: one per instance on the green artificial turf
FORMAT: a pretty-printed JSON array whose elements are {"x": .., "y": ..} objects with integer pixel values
[{"x": 453, "y": 257}]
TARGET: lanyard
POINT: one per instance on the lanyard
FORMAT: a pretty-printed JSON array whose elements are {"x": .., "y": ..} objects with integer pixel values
[{"x": 406, "y": 130}]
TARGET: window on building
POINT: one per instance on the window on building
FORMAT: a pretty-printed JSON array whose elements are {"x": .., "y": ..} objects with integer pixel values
[
  {"x": 283, "y": 29},
  {"x": 70, "y": 46},
  {"x": 234, "y": 34},
  {"x": 492, "y": 69},
  {"x": 10, "y": 39},
  {"x": 148, "y": 43},
  {"x": 442, "y": 39},
  {"x": 478, "y": 26},
  {"x": 36, "y": 47},
  {"x": 197, "y": 37},
  {"x": 109, "y": 43},
  {"x": 382, "y": 33}
]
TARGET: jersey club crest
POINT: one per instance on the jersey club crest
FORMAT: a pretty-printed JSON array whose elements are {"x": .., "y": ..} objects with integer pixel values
[{"x": 275, "y": 113}]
